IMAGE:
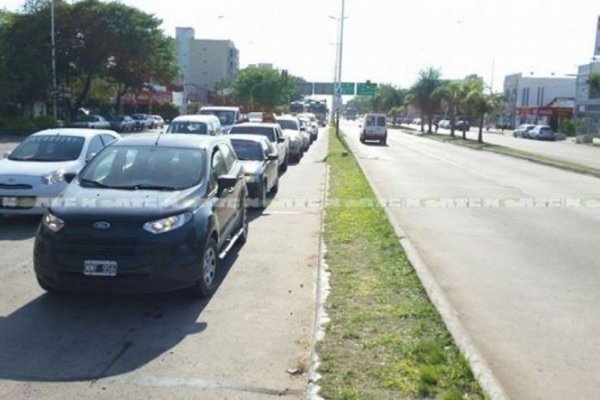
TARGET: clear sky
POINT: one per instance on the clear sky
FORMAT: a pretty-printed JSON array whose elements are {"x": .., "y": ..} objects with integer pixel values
[{"x": 389, "y": 41}]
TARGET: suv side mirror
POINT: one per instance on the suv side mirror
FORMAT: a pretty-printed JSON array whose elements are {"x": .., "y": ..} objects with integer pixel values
[
  {"x": 69, "y": 176},
  {"x": 273, "y": 157},
  {"x": 90, "y": 157},
  {"x": 280, "y": 139},
  {"x": 226, "y": 182}
]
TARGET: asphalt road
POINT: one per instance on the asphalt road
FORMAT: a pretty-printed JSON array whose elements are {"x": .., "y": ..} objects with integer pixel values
[
  {"x": 566, "y": 150},
  {"x": 237, "y": 345},
  {"x": 514, "y": 246}
]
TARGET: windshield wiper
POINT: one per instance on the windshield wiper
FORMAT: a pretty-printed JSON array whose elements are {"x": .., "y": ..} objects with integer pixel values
[{"x": 94, "y": 183}]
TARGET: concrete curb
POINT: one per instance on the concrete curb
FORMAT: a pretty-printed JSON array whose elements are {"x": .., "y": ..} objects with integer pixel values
[{"x": 481, "y": 369}]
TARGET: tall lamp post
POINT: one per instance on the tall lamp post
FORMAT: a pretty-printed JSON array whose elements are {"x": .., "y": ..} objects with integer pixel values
[
  {"x": 337, "y": 98},
  {"x": 53, "y": 45}
]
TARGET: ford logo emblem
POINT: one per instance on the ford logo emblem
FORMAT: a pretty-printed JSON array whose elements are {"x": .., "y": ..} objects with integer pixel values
[{"x": 101, "y": 225}]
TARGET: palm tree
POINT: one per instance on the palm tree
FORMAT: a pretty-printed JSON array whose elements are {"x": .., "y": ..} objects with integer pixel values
[
  {"x": 426, "y": 94},
  {"x": 453, "y": 95},
  {"x": 481, "y": 105}
]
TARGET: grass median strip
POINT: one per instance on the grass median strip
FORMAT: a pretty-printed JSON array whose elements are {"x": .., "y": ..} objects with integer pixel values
[
  {"x": 385, "y": 339},
  {"x": 508, "y": 151}
]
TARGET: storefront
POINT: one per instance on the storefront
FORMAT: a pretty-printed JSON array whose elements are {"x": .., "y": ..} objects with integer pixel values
[{"x": 553, "y": 114}]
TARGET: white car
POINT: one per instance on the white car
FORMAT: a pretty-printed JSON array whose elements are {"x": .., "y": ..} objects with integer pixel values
[
  {"x": 39, "y": 168},
  {"x": 228, "y": 116},
  {"x": 92, "y": 122},
  {"x": 299, "y": 142}
]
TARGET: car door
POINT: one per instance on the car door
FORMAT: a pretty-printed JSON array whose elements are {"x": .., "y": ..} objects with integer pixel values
[
  {"x": 271, "y": 165},
  {"x": 282, "y": 146},
  {"x": 238, "y": 194},
  {"x": 219, "y": 207}
]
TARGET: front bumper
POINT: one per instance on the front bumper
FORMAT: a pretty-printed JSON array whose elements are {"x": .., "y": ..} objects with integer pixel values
[
  {"x": 29, "y": 201},
  {"x": 160, "y": 263}
]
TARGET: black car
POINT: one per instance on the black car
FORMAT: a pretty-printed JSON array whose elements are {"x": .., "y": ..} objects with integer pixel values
[
  {"x": 462, "y": 126},
  {"x": 259, "y": 158},
  {"x": 150, "y": 213}
]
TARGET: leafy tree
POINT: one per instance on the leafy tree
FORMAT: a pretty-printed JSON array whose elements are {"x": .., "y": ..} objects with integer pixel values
[
  {"x": 594, "y": 83},
  {"x": 483, "y": 104},
  {"x": 362, "y": 104},
  {"x": 426, "y": 94},
  {"x": 453, "y": 95},
  {"x": 262, "y": 89}
]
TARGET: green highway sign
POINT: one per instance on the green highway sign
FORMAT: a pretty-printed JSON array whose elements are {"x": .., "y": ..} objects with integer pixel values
[
  {"x": 366, "y": 89},
  {"x": 324, "y": 88},
  {"x": 348, "y": 88}
]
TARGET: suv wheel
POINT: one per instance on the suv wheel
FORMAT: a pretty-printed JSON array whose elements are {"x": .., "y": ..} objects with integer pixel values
[{"x": 206, "y": 285}]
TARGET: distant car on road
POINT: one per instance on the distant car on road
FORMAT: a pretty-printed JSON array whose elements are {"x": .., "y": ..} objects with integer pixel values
[
  {"x": 185, "y": 207},
  {"x": 259, "y": 159},
  {"x": 523, "y": 130},
  {"x": 159, "y": 122},
  {"x": 374, "y": 128},
  {"x": 444, "y": 124},
  {"x": 36, "y": 172},
  {"x": 121, "y": 123},
  {"x": 228, "y": 116},
  {"x": 91, "y": 122},
  {"x": 462, "y": 125},
  {"x": 542, "y": 132},
  {"x": 143, "y": 121},
  {"x": 290, "y": 126}
]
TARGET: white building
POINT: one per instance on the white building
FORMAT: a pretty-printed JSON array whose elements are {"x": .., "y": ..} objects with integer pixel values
[
  {"x": 526, "y": 95},
  {"x": 205, "y": 63},
  {"x": 587, "y": 103}
]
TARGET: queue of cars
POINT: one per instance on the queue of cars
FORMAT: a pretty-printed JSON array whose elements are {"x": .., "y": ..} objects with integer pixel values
[
  {"x": 531, "y": 131},
  {"x": 119, "y": 123},
  {"x": 144, "y": 213}
]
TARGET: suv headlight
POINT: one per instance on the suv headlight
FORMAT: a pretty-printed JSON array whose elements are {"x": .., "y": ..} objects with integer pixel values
[
  {"x": 167, "y": 224},
  {"x": 54, "y": 177},
  {"x": 52, "y": 222}
]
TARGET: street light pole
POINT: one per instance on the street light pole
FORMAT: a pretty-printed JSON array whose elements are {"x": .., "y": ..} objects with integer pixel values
[
  {"x": 53, "y": 42},
  {"x": 339, "y": 74}
]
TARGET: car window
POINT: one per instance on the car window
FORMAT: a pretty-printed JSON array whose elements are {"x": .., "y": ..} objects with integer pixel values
[
  {"x": 380, "y": 121},
  {"x": 49, "y": 148},
  {"x": 107, "y": 139},
  {"x": 226, "y": 117},
  {"x": 247, "y": 149},
  {"x": 217, "y": 168},
  {"x": 370, "y": 120},
  {"x": 95, "y": 146},
  {"x": 288, "y": 124},
  {"x": 266, "y": 131},
  {"x": 198, "y": 128},
  {"x": 228, "y": 157}
]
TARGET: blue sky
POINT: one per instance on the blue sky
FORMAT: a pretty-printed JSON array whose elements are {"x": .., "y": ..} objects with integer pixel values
[{"x": 389, "y": 41}]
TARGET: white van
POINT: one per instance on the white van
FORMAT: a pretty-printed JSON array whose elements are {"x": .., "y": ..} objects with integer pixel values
[
  {"x": 228, "y": 116},
  {"x": 195, "y": 124},
  {"x": 374, "y": 128}
]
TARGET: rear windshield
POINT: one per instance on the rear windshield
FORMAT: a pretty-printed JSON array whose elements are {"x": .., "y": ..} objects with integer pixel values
[
  {"x": 248, "y": 149},
  {"x": 287, "y": 124},
  {"x": 226, "y": 117},
  {"x": 255, "y": 130},
  {"x": 48, "y": 148},
  {"x": 197, "y": 128}
]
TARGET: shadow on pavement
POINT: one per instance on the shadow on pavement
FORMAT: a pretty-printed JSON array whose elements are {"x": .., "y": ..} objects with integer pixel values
[
  {"x": 78, "y": 337},
  {"x": 18, "y": 227}
]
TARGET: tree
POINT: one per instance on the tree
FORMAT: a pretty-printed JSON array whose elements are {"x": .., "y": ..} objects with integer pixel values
[
  {"x": 483, "y": 104},
  {"x": 453, "y": 95},
  {"x": 426, "y": 94},
  {"x": 362, "y": 104},
  {"x": 262, "y": 89},
  {"x": 594, "y": 83}
]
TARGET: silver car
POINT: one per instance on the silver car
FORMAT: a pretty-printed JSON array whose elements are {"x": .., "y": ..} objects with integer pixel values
[{"x": 39, "y": 169}]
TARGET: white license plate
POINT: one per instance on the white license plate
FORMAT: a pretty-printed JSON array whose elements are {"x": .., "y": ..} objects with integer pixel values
[{"x": 99, "y": 268}]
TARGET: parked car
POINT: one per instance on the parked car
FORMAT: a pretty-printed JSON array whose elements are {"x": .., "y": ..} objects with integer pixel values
[
  {"x": 91, "y": 122},
  {"x": 195, "y": 124},
  {"x": 462, "y": 125},
  {"x": 298, "y": 142},
  {"x": 416, "y": 121},
  {"x": 121, "y": 123},
  {"x": 444, "y": 124},
  {"x": 374, "y": 128},
  {"x": 312, "y": 127},
  {"x": 185, "y": 209},
  {"x": 259, "y": 159},
  {"x": 159, "y": 122},
  {"x": 542, "y": 132},
  {"x": 272, "y": 132},
  {"x": 143, "y": 121},
  {"x": 228, "y": 116},
  {"x": 36, "y": 171},
  {"x": 523, "y": 130}
]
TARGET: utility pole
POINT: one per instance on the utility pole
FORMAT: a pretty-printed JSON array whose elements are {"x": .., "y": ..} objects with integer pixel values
[
  {"x": 53, "y": 42},
  {"x": 339, "y": 74}
]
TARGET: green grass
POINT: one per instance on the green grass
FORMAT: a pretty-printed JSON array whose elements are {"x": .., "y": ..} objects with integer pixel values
[
  {"x": 508, "y": 151},
  {"x": 385, "y": 339}
]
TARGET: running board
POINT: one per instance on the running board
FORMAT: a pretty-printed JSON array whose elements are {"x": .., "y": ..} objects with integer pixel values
[{"x": 232, "y": 241}]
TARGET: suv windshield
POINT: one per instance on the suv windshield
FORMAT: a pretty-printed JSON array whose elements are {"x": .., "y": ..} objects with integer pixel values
[
  {"x": 48, "y": 148},
  {"x": 255, "y": 130},
  {"x": 248, "y": 150},
  {"x": 288, "y": 124},
  {"x": 145, "y": 168},
  {"x": 198, "y": 128},
  {"x": 226, "y": 117}
]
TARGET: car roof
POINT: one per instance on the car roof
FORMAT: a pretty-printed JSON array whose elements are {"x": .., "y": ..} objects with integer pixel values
[
  {"x": 79, "y": 132},
  {"x": 171, "y": 140},
  {"x": 258, "y": 124},
  {"x": 196, "y": 118},
  {"x": 214, "y": 108},
  {"x": 247, "y": 137},
  {"x": 288, "y": 117}
]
